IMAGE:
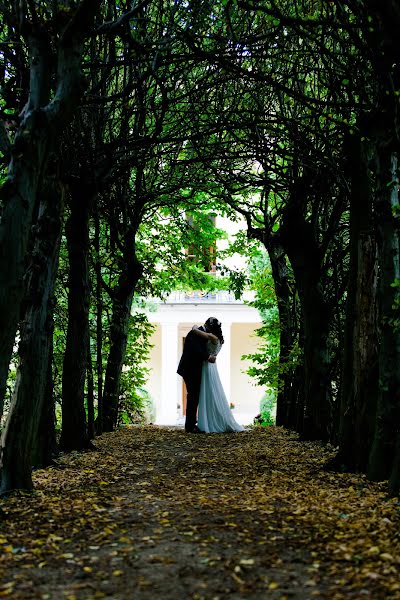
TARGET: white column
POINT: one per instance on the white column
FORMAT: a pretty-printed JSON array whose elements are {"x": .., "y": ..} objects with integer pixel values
[
  {"x": 168, "y": 412},
  {"x": 224, "y": 359}
]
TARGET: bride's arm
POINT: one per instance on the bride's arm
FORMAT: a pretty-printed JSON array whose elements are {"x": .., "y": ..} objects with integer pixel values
[{"x": 204, "y": 334}]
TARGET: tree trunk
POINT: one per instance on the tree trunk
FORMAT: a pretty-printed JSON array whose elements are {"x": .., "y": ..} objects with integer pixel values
[
  {"x": 305, "y": 257},
  {"x": 46, "y": 447},
  {"x": 99, "y": 328},
  {"x": 360, "y": 357},
  {"x": 27, "y": 407},
  {"x": 90, "y": 395},
  {"x": 284, "y": 299},
  {"x": 388, "y": 409},
  {"x": 39, "y": 129},
  {"x": 394, "y": 481},
  {"x": 297, "y": 415},
  {"x": 316, "y": 366},
  {"x": 26, "y": 169},
  {"x": 74, "y": 435},
  {"x": 122, "y": 303}
]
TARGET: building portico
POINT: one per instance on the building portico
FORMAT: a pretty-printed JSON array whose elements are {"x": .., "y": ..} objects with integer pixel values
[{"x": 173, "y": 320}]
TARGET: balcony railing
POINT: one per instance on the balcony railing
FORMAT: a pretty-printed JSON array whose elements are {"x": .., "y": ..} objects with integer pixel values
[{"x": 195, "y": 297}]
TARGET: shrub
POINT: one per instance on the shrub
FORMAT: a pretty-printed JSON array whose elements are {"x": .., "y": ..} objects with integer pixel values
[{"x": 266, "y": 418}]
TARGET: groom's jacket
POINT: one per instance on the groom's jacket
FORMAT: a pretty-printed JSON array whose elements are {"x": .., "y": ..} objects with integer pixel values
[{"x": 194, "y": 354}]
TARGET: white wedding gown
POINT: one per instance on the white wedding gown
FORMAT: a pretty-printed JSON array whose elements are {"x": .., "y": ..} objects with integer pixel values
[{"x": 214, "y": 414}]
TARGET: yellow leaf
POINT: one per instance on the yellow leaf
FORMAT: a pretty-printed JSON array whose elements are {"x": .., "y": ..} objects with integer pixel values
[
  {"x": 273, "y": 585},
  {"x": 394, "y": 587},
  {"x": 247, "y": 561},
  {"x": 117, "y": 573},
  {"x": 237, "y": 579},
  {"x": 87, "y": 569},
  {"x": 386, "y": 556}
]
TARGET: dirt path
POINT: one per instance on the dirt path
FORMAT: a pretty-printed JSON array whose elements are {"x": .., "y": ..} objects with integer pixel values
[{"x": 157, "y": 513}]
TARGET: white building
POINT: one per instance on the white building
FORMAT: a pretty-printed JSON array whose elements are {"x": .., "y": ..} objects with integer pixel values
[{"x": 173, "y": 320}]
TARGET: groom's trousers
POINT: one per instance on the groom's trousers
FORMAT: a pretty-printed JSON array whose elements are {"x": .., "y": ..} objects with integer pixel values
[{"x": 193, "y": 382}]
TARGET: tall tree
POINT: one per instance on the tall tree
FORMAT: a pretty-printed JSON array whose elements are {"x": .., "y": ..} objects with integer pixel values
[
  {"x": 30, "y": 403},
  {"x": 74, "y": 425},
  {"x": 48, "y": 109}
]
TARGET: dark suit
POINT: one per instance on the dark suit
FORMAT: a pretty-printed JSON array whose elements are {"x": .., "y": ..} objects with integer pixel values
[{"x": 190, "y": 366}]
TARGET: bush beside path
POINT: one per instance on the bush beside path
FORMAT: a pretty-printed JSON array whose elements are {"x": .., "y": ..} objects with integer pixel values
[{"x": 157, "y": 513}]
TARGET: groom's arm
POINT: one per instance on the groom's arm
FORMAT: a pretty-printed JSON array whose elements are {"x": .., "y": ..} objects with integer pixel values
[
  {"x": 206, "y": 335},
  {"x": 198, "y": 345}
]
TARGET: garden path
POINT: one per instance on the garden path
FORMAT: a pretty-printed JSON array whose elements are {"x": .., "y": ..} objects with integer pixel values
[{"x": 157, "y": 513}]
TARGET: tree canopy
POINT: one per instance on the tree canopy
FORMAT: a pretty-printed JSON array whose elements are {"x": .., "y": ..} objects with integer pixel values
[{"x": 123, "y": 127}]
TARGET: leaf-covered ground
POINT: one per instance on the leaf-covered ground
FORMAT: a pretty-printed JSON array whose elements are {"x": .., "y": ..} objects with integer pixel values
[{"x": 157, "y": 513}]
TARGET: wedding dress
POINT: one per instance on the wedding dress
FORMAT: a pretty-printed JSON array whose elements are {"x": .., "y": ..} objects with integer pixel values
[{"x": 214, "y": 414}]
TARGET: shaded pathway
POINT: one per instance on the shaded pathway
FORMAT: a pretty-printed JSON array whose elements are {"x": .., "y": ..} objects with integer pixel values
[{"x": 159, "y": 513}]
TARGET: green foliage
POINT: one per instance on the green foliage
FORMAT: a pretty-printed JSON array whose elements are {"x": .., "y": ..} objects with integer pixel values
[
  {"x": 12, "y": 373},
  {"x": 265, "y": 368},
  {"x": 213, "y": 105},
  {"x": 395, "y": 320},
  {"x": 267, "y": 409},
  {"x": 178, "y": 250},
  {"x": 135, "y": 402}
]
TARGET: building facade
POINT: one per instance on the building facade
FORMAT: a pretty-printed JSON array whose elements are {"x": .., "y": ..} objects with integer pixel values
[{"x": 173, "y": 320}]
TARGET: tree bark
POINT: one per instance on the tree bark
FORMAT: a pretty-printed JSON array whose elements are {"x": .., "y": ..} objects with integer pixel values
[
  {"x": 394, "y": 480},
  {"x": 122, "y": 303},
  {"x": 46, "y": 446},
  {"x": 283, "y": 293},
  {"x": 28, "y": 409},
  {"x": 74, "y": 434},
  {"x": 40, "y": 127},
  {"x": 297, "y": 415},
  {"x": 305, "y": 257},
  {"x": 29, "y": 156},
  {"x": 388, "y": 409},
  {"x": 99, "y": 328},
  {"x": 360, "y": 356},
  {"x": 90, "y": 395}
]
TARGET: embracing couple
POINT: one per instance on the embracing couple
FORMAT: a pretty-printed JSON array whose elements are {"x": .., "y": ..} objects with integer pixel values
[{"x": 205, "y": 394}]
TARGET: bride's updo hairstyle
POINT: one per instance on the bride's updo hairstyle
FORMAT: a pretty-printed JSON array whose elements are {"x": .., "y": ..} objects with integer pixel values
[{"x": 214, "y": 326}]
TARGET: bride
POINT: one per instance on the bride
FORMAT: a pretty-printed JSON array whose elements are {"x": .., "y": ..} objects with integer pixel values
[{"x": 214, "y": 414}]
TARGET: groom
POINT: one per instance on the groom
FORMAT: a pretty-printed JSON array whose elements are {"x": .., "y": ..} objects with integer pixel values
[{"x": 190, "y": 367}]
